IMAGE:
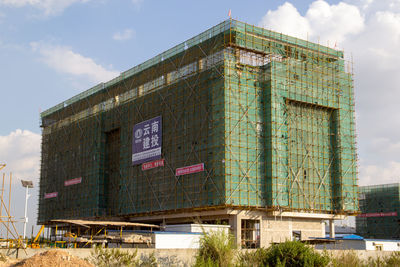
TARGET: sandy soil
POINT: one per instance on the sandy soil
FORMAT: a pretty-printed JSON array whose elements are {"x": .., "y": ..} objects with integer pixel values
[{"x": 51, "y": 258}]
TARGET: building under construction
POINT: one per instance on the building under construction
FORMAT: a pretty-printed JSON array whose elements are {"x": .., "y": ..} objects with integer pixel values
[
  {"x": 238, "y": 124},
  {"x": 380, "y": 211}
]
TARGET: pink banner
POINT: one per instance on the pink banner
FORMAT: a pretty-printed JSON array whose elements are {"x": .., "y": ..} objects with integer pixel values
[
  {"x": 189, "y": 169},
  {"x": 152, "y": 164},
  {"x": 51, "y": 195},
  {"x": 73, "y": 181},
  {"x": 378, "y": 214}
]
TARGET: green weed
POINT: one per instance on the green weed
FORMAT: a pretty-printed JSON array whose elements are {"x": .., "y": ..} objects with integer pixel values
[{"x": 216, "y": 249}]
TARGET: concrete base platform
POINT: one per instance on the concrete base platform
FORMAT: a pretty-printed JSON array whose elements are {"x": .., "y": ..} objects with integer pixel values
[{"x": 253, "y": 226}]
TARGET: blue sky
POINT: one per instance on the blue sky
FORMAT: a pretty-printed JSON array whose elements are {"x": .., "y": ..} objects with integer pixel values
[
  {"x": 87, "y": 28},
  {"x": 51, "y": 50}
]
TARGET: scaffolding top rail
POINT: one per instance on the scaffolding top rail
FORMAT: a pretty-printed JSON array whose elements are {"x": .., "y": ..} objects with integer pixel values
[
  {"x": 208, "y": 34},
  {"x": 86, "y": 223}
]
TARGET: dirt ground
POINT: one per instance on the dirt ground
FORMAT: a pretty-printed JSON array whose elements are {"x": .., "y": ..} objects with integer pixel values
[{"x": 51, "y": 258}]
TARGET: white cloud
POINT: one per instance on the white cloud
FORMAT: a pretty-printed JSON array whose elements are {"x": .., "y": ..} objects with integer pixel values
[
  {"x": 50, "y": 7},
  {"x": 334, "y": 22},
  {"x": 369, "y": 7},
  {"x": 124, "y": 35},
  {"x": 287, "y": 19},
  {"x": 322, "y": 21},
  {"x": 370, "y": 31},
  {"x": 137, "y": 2},
  {"x": 380, "y": 174},
  {"x": 64, "y": 60},
  {"x": 20, "y": 150}
]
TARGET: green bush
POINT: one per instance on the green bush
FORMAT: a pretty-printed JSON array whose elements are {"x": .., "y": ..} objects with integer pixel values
[
  {"x": 216, "y": 249},
  {"x": 113, "y": 258},
  {"x": 290, "y": 253},
  {"x": 294, "y": 253}
]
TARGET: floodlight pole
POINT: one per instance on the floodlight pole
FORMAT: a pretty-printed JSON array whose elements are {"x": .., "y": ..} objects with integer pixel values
[
  {"x": 27, "y": 185},
  {"x": 26, "y": 207}
]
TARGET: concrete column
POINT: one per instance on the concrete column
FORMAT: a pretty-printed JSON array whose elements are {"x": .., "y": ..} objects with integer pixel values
[
  {"x": 236, "y": 224},
  {"x": 332, "y": 228},
  {"x": 262, "y": 234}
]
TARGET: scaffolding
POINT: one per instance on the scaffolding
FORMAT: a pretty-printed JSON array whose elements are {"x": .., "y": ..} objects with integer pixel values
[
  {"x": 380, "y": 211},
  {"x": 269, "y": 115},
  {"x": 9, "y": 237}
]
